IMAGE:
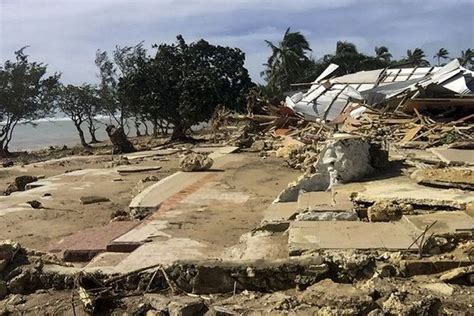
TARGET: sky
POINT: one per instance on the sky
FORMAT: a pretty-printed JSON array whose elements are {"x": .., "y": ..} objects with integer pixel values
[{"x": 65, "y": 34}]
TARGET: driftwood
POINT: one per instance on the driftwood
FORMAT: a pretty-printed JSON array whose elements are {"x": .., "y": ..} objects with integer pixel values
[{"x": 120, "y": 141}]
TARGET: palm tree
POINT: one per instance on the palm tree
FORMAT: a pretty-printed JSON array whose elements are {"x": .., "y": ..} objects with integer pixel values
[
  {"x": 286, "y": 64},
  {"x": 343, "y": 47},
  {"x": 467, "y": 57},
  {"x": 441, "y": 54},
  {"x": 382, "y": 53},
  {"x": 416, "y": 57}
]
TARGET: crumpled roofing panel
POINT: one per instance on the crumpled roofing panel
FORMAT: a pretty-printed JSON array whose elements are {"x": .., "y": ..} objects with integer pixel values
[{"x": 326, "y": 99}]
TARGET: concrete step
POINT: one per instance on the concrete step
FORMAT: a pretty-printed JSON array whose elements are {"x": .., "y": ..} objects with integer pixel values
[
  {"x": 446, "y": 222},
  {"x": 278, "y": 215},
  {"x": 315, "y": 235},
  {"x": 84, "y": 245}
]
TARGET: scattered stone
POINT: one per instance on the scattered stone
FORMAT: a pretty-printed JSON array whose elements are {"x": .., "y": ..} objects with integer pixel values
[
  {"x": 346, "y": 297},
  {"x": 35, "y": 204},
  {"x": 7, "y": 163},
  {"x": 19, "y": 184},
  {"x": 376, "y": 312},
  {"x": 195, "y": 162},
  {"x": 8, "y": 249},
  {"x": 258, "y": 145},
  {"x": 151, "y": 179},
  {"x": 3, "y": 289},
  {"x": 221, "y": 311},
  {"x": 386, "y": 271},
  {"x": 93, "y": 199},
  {"x": 457, "y": 274},
  {"x": 386, "y": 211},
  {"x": 437, "y": 244},
  {"x": 441, "y": 288},
  {"x": 122, "y": 161},
  {"x": 119, "y": 215},
  {"x": 327, "y": 216},
  {"x": 16, "y": 300},
  {"x": 186, "y": 306}
]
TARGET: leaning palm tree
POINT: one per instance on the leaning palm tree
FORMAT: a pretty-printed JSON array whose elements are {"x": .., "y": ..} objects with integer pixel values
[
  {"x": 382, "y": 53},
  {"x": 417, "y": 57},
  {"x": 343, "y": 47},
  {"x": 441, "y": 54},
  {"x": 467, "y": 57},
  {"x": 287, "y": 61}
]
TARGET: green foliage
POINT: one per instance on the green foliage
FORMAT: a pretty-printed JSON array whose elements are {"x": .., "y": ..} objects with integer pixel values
[
  {"x": 26, "y": 94},
  {"x": 184, "y": 83},
  {"x": 467, "y": 58},
  {"x": 79, "y": 104},
  {"x": 441, "y": 54},
  {"x": 124, "y": 62},
  {"x": 288, "y": 62},
  {"x": 416, "y": 58}
]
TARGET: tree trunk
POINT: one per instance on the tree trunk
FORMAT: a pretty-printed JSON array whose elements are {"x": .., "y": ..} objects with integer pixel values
[
  {"x": 137, "y": 128},
  {"x": 119, "y": 140},
  {"x": 92, "y": 130},
  {"x": 155, "y": 128},
  {"x": 81, "y": 135},
  {"x": 146, "y": 128},
  {"x": 93, "y": 137},
  {"x": 3, "y": 151},
  {"x": 179, "y": 132}
]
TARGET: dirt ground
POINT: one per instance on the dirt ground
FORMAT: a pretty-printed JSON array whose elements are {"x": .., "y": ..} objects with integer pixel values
[
  {"x": 37, "y": 228},
  {"x": 262, "y": 179},
  {"x": 221, "y": 224}
]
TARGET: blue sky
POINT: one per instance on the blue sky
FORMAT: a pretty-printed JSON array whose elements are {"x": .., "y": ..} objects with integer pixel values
[{"x": 65, "y": 34}]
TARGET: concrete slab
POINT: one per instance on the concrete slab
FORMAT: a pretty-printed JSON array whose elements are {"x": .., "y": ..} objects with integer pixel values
[
  {"x": 222, "y": 151},
  {"x": 404, "y": 190},
  {"x": 462, "y": 178},
  {"x": 455, "y": 156},
  {"x": 152, "y": 197},
  {"x": 280, "y": 212},
  {"x": 134, "y": 169},
  {"x": 447, "y": 222},
  {"x": 322, "y": 201},
  {"x": 107, "y": 259},
  {"x": 85, "y": 244},
  {"x": 164, "y": 252},
  {"x": 307, "y": 236},
  {"x": 146, "y": 231},
  {"x": 150, "y": 153},
  {"x": 78, "y": 183},
  {"x": 155, "y": 195}
]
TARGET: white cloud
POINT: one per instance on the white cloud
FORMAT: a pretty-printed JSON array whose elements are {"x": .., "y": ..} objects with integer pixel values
[{"x": 66, "y": 33}]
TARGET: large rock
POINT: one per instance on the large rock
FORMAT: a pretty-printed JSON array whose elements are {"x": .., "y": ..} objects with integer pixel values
[
  {"x": 342, "y": 160},
  {"x": 385, "y": 211},
  {"x": 195, "y": 162}
]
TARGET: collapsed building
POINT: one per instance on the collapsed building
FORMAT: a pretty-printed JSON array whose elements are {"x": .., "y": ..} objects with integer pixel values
[{"x": 330, "y": 99}]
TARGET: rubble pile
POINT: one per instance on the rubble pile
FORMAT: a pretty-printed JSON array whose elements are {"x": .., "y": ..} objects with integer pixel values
[
  {"x": 22, "y": 271},
  {"x": 342, "y": 160}
]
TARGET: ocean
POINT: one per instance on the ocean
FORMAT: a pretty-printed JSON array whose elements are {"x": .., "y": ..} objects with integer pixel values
[{"x": 53, "y": 132}]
